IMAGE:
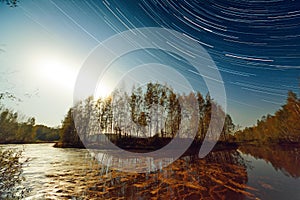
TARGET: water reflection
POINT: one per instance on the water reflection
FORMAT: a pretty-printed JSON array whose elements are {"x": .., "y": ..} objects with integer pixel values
[
  {"x": 54, "y": 173},
  {"x": 221, "y": 175},
  {"x": 283, "y": 158},
  {"x": 273, "y": 171}
]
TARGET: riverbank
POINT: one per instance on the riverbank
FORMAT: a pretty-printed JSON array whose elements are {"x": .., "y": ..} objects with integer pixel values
[
  {"x": 35, "y": 142},
  {"x": 143, "y": 145},
  {"x": 68, "y": 145}
]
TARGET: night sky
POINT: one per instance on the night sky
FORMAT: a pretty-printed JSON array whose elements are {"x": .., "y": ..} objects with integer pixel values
[{"x": 255, "y": 45}]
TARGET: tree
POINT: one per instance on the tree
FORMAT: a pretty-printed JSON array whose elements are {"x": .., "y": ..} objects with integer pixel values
[
  {"x": 11, "y": 175},
  {"x": 44, "y": 133},
  {"x": 149, "y": 104},
  {"x": 228, "y": 127},
  {"x": 206, "y": 114},
  {"x": 12, "y": 130},
  {"x": 11, "y": 3},
  {"x": 69, "y": 136},
  {"x": 201, "y": 114},
  {"x": 281, "y": 127},
  {"x": 174, "y": 114},
  {"x": 147, "y": 112}
]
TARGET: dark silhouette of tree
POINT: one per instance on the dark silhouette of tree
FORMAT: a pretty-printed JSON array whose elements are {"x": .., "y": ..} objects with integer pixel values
[
  {"x": 11, "y": 3},
  {"x": 69, "y": 136},
  {"x": 201, "y": 107},
  {"x": 154, "y": 111},
  {"x": 206, "y": 114},
  {"x": 228, "y": 127}
]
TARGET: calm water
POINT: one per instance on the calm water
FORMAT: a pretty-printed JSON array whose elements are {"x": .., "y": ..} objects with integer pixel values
[{"x": 249, "y": 173}]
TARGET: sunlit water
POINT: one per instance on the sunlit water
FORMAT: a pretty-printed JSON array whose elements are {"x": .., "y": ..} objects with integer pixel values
[{"x": 54, "y": 173}]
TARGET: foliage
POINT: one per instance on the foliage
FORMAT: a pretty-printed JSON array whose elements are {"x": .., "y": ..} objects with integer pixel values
[
  {"x": 153, "y": 111},
  {"x": 11, "y": 175},
  {"x": 11, "y": 130},
  {"x": 15, "y": 130},
  {"x": 68, "y": 133},
  {"x": 45, "y": 133},
  {"x": 11, "y": 3},
  {"x": 282, "y": 127},
  {"x": 8, "y": 95}
]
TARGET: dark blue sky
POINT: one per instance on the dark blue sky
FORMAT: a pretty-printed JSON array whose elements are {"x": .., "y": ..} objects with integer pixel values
[{"x": 255, "y": 45}]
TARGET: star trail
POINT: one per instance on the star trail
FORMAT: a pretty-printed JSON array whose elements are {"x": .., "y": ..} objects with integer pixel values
[{"x": 255, "y": 44}]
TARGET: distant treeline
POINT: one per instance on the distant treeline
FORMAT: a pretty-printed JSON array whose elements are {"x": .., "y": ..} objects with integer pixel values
[
  {"x": 153, "y": 111},
  {"x": 282, "y": 127},
  {"x": 15, "y": 130},
  {"x": 11, "y": 3}
]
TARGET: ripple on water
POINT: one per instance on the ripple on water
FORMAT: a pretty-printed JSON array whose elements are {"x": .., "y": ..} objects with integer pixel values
[{"x": 54, "y": 173}]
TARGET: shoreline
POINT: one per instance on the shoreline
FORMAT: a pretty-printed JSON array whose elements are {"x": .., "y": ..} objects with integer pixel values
[
  {"x": 39, "y": 142},
  {"x": 192, "y": 150},
  {"x": 194, "y": 147}
]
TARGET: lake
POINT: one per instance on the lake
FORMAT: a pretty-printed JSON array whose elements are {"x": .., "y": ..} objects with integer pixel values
[{"x": 247, "y": 173}]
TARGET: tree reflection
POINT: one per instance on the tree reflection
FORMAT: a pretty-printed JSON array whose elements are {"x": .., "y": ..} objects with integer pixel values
[
  {"x": 220, "y": 175},
  {"x": 284, "y": 158}
]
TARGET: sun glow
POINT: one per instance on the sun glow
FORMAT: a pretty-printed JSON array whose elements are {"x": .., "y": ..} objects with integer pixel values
[
  {"x": 102, "y": 91},
  {"x": 57, "y": 72}
]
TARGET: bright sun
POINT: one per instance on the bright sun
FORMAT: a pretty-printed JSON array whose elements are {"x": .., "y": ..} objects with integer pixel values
[
  {"x": 102, "y": 91},
  {"x": 57, "y": 72}
]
